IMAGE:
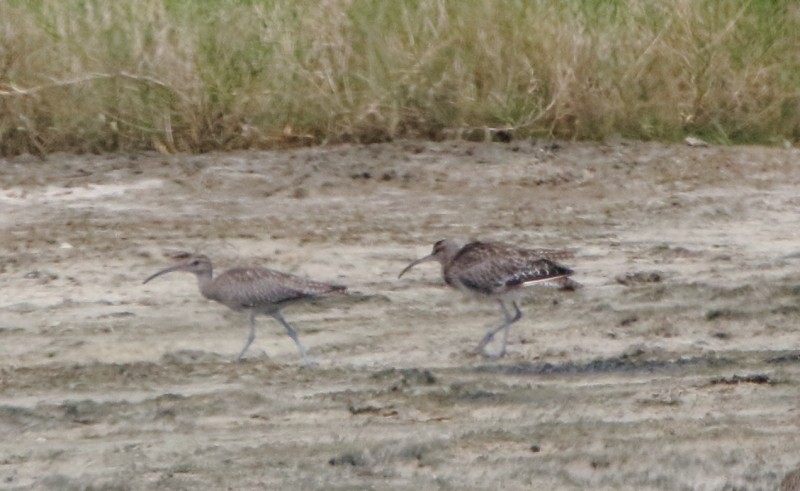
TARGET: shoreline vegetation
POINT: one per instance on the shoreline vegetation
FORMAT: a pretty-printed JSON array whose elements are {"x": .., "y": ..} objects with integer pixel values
[{"x": 175, "y": 76}]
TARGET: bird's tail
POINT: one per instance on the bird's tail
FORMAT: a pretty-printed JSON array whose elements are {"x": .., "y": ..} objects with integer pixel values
[
  {"x": 316, "y": 288},
  {"x": 566, "y": 283}
]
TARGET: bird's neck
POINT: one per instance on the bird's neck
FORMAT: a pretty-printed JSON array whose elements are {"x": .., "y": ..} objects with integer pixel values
[
  {"x": 449, "y": 254},
  {"x": 446, "y": 274},
  {"x": 446, "y": 260},
  {"x": 206, "y": 283}
]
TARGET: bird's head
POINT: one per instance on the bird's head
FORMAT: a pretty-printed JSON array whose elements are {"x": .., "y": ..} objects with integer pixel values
[
  {"x": 443, "y": 252},
  {"x": 198, "y": 264}
]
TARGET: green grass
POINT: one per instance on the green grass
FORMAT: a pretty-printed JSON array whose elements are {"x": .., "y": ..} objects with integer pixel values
[{"x": 94, "y": 76}]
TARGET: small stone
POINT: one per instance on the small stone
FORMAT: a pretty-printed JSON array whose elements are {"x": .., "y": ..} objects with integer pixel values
[{"x": 695, "y": 142}]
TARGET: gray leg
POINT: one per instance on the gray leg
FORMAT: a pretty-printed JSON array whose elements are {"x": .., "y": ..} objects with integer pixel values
[
  {"x": 251, "y": 336},
  {"x": 295, "y": 338},
  {"x": 517, "y": 316},
  {"x": 508, "y": 320}
]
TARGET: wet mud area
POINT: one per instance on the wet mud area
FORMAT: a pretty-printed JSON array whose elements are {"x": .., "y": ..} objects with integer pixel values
[{"x": 676, "y": 367}]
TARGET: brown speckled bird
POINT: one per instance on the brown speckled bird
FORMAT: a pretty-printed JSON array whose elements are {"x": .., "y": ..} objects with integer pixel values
[
  {"x": 253, "y": 290},
  {"x": 499, "y": 271}
]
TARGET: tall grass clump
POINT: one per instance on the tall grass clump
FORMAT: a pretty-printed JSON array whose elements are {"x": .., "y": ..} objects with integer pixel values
[{"x": 93, "y": 75}]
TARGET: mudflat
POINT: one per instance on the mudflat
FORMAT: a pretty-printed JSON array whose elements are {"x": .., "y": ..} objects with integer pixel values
[{"x": 675, "y": 367}]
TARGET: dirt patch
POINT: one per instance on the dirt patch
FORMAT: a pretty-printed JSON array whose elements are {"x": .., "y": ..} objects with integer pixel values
[{"x": 676, "y": 367}]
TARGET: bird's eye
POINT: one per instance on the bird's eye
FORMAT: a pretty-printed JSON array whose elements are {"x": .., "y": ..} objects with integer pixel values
[{"x": 196, "y": 263}]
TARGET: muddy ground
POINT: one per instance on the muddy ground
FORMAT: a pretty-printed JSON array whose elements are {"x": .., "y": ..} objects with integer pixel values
[{"x": 676, "y": 367}]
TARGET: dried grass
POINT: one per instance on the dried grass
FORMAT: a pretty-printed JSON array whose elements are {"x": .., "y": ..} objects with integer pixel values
[{"x": 95, "y": 76}]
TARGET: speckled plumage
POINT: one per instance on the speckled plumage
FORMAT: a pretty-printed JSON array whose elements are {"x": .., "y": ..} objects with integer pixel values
[
  {"x": 253, "y": 290},
  {"x": 261, "y": 289},
  {"x": 500, "y": 271},
  {"x": 493, "y": 268}
]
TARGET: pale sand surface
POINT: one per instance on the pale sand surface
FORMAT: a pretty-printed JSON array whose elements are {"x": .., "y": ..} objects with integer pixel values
[{"x": 690, "y": 382}]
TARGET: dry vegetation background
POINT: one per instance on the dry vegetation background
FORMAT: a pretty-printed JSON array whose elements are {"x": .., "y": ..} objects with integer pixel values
[{"x": 91, "y": 75}]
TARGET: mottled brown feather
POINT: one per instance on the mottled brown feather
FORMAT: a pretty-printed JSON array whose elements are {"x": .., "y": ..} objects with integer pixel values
[
  {"x": 263, "y": 289},
  {"x": 493, "y": 268}
]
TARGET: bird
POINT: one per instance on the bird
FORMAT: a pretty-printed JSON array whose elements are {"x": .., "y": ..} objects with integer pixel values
[
  {"x": 498, "y": 271},
  {"x": 253, "y": 290}
]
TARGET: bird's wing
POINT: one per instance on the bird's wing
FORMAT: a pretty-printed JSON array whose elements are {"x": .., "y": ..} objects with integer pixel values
[
  {"x": 551, "y": 254},
  {"x": 260, "y": 287},
  {"x": 491, "y": 268}
]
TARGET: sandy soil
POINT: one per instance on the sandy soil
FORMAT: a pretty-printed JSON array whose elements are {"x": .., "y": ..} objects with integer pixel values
[{"x": 677, "y": 367}]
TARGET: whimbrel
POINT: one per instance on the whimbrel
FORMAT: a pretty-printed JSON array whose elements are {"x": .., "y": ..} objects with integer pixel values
[
  {"x": 499, "y": 271},
  {"x": 253, "y": 290}
]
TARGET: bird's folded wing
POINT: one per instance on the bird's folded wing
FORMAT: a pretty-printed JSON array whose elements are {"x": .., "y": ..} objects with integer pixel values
[
  {"x": 502, "y": 273},
  {"x": 258, "y": 287}
]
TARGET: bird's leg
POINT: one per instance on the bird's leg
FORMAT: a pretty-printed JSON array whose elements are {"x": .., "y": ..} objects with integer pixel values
[
  {"x": 517, "y": 316},
  {"x": 508, "y": 320},
  {"x": 487, "y": 338},
  {"x": 293, "y": 334},
  {"x": 251, "y": 336}
]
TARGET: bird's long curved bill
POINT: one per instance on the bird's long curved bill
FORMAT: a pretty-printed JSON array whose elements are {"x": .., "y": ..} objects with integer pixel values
[
  {"x": 164, "y": 271},
  {"x": 418, "y": 261}
]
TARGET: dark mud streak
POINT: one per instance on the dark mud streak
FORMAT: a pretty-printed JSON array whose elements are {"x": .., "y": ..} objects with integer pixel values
[
  {"x": 608, "y": 365},
  {"x": 758, "y": 378},
  {"x": 789, "y": 358}
]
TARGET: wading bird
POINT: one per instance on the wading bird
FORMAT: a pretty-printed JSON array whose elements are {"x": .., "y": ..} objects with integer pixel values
[
  {"x": 498, "y": 271},
  {"x": 253, "y": 290}
]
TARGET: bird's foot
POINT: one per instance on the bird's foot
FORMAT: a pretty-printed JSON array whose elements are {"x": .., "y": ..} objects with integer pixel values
[
  {"x": 477, "y": 351},
  {"x": 252, "y": 356},
  {"x": 481, "y": 348},
  {"x": 481, "y": 351},
  {"x": 494, "y": 356}
]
